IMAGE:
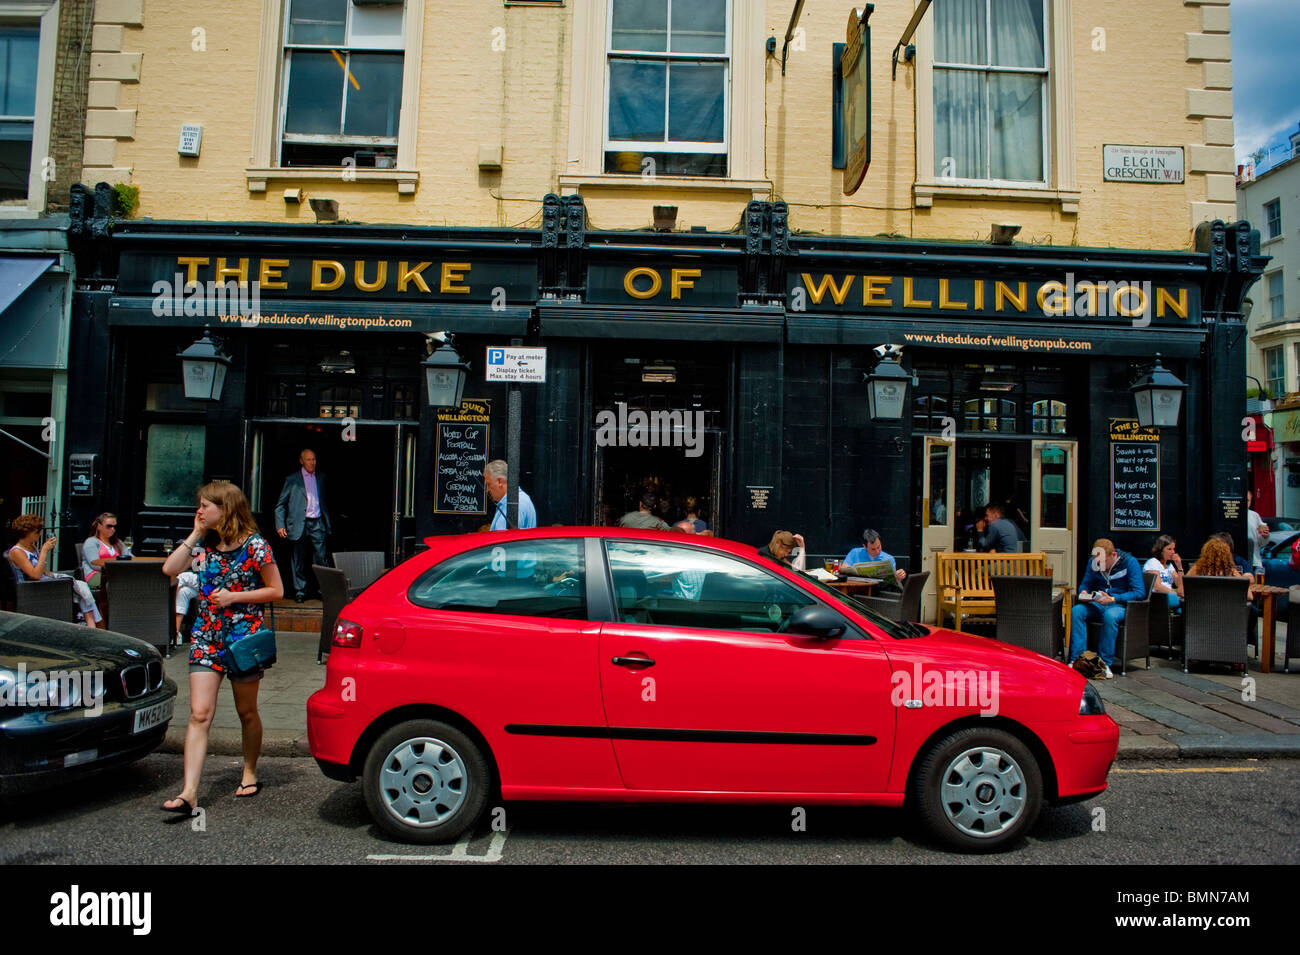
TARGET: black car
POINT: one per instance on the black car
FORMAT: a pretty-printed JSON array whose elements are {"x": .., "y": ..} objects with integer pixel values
[{"x": 75, "y": 700}]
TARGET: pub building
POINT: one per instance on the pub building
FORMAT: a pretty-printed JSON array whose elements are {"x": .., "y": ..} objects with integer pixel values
[{"x": 734, "y": 368}]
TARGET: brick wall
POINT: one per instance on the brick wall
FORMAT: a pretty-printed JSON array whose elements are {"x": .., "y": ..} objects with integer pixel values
[{"x": 68, "y": 122}]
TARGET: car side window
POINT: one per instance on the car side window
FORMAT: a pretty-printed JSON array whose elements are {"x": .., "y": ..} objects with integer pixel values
[
  {"x": 671, "y": 586},
  {"x": 533, "y": 578}
]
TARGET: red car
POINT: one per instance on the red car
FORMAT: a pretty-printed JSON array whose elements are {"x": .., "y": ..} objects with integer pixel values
[{"x": 594, "y": 663}]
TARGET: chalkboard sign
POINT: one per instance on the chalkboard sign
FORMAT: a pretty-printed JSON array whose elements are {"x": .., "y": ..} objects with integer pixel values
[
  {"x": 462, "y": 453},
  {"x": 1135, "y": 486}
]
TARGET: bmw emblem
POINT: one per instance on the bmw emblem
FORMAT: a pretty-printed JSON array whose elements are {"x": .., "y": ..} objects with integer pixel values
[{"x": 131, "y": 653}]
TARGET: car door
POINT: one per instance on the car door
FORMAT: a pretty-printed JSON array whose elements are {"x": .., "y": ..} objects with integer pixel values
[
  {"x": 705, "y": 691},
  {"x": 508, "y": 644}
]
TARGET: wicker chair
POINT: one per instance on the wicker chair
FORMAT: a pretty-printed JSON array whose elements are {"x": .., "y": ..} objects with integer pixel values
[
  {"x": 1292, "y": 633},
  {"x": 334, "y": 595},
  {"x": 907, "y": 605},
  {"x": 362, "y": 567},
  {"x": 1214, "y": 619},
  {"x": 140, "y": 595},
  {"x": 1028, "y": 616},
  {"x": 1134, "y": 637},
  {"x": 46, "y": 598}
]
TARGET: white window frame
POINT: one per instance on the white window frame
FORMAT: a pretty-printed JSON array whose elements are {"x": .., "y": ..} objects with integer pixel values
[
  {"x": 1061, "y": 185},
  {"x": 589, "y": 108},
  {"x": 1276, "y": 386},
  {"x": 1268, "y": 219},
  {"x": 668, "y": 145},
  {"x": 44, "y": 14},
  {"x": 268, "y": 111},
  {"x": 1280, "y": 280}
]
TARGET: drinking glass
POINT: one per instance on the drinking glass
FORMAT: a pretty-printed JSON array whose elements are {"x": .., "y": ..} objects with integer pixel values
[
  {"x": 167, "y": 546},
  {"x": 130, "y": 544}
]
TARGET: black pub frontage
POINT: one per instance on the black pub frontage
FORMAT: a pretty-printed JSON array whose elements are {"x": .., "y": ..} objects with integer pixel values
[{"x": 726, "y": 367}]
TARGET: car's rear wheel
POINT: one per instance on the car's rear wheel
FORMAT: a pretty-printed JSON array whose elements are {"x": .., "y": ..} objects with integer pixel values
[
  {"x": 979, "y": 789},
  {"x": 425, "y": 781}
]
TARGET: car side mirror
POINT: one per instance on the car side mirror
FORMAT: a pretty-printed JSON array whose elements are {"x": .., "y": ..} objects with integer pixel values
[{"x": 818, "y": 622}]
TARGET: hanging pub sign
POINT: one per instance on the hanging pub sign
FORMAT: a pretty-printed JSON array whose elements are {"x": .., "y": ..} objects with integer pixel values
[{"x": 855, "y": 99}]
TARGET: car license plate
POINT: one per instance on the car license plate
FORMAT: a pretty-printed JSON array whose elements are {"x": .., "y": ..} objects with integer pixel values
[
  {"x": 152, "y": 716},
  {"x": 76, "y": 759}
]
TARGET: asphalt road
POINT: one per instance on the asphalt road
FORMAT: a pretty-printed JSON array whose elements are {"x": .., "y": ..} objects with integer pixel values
[{"x": 1170, "y": 813}]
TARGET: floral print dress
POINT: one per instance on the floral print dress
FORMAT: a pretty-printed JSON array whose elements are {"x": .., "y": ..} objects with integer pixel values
[{"x": 237, "y": 570}]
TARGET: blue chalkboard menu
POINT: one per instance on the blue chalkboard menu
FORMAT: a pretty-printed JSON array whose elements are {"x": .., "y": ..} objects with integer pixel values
[
  {"x": 462, "y": 453},
  {"x": 1134, "y": 477}
]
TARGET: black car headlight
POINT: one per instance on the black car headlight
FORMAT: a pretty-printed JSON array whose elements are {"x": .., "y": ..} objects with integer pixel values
[{"x": 1091, "y": 704}]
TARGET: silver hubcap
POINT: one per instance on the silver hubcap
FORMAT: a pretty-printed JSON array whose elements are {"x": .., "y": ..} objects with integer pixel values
[
  {"x": 422, "y": 782},
  {"x": 983, "y": 791}
]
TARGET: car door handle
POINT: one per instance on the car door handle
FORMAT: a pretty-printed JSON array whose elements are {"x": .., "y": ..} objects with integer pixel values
[{"x": 632, "y": 661}]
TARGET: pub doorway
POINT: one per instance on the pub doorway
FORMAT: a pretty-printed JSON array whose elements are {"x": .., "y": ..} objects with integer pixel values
[
  {"x": 657, "y": 421},
  {"x": 369, "y": 485}
]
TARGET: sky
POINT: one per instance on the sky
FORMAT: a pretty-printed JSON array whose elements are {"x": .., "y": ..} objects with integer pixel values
[{"x": 1265, "y": 78}]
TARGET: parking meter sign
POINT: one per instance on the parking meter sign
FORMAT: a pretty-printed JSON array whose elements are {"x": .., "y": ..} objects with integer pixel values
[{"x": 516, "y": 364}]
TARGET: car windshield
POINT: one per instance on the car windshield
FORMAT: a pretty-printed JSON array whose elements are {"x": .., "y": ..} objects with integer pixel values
[
  {"x": 1279, "y": 547},
  {"x": 896, "y": 630}
]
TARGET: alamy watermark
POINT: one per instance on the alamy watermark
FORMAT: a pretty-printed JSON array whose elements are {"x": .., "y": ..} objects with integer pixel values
[
  {"x": 651, "y": 429},
  {"x": 176, "y": 298},
  {"x": 1133, "y": 300},
  {"x": 956, "y": 688},
  {"x": 56, "y": 689}
]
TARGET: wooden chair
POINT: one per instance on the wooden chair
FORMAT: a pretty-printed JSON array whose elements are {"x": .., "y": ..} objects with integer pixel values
[
  {"x": 362, "y": 567},
  {"x": 964, "y": 581},
  {"x": 333, "y": 595},
  {"x": 907, "y": 605},
  {"x": 1215, "y": 614},
  {"x": 1028, "y": 614}
]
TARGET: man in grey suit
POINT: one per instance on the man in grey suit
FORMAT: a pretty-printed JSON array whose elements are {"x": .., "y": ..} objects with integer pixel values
[{"x": 301, "y": 517}]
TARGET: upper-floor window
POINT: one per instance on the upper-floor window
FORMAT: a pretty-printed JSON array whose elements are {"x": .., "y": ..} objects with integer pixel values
[
  {"x": 19, "y": 49},
  {"x": 990, "y": 90},
  {"x": 1048, "y": 417},
  {"x": 1273, "y": 215},
  {"x": 28, "y": 33},
  {"x": 1275, "y": 372},
  {"x": 1276, "y": 305},
  {"x": 667, "y": 86},
  {"x": 342, "y": 83}
]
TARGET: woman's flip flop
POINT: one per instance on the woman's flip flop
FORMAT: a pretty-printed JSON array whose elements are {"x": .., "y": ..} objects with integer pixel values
[{"x": 254, "y": 787}]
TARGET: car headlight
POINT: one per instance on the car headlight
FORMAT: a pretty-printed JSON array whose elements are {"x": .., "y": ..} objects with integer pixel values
[
  {"x": 1091, "y": 704},
  {"x": 56, "y": 690}
]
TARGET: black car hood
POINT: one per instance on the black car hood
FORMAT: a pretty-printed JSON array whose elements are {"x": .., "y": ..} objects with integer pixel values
[{"x": 49, "y": 644}]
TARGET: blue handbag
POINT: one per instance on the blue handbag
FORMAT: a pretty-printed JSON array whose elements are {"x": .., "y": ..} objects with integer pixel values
[{"x": 249, "y": 654}]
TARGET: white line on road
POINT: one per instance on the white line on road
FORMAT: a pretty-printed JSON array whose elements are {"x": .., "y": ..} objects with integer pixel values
[{"x": 459, "y": 853}]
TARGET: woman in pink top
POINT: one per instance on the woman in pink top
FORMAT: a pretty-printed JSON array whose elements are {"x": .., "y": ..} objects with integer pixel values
[{"x": 101, "y": 545}]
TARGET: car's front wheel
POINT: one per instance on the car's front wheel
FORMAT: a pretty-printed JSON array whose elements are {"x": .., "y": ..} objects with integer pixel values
[
  {"x": 979, "y": 789},
  {"x": 425, "y": 781}
]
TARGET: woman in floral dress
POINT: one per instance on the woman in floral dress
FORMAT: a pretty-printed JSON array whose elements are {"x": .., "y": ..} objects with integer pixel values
[{"x": 238, "y": 575}]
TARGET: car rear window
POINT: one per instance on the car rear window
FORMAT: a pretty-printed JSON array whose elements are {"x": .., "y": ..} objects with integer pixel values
[{"x": 533, "y": 578}]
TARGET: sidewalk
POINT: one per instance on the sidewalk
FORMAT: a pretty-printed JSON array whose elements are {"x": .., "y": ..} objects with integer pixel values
[{"x": 1162, "y": 712}]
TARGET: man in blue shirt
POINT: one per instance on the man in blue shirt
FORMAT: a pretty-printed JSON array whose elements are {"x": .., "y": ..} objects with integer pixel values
[
  {"x": 1113, "y": 579},
  {"x": 873, "y": 549},
  {"x": 494, "y": 479}
]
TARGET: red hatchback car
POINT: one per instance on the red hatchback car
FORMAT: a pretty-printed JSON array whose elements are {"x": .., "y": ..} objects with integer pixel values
[{"x": 594, "y": 663}]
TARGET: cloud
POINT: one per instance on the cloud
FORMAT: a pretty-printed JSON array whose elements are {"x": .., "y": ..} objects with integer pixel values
[{"x": 1266, "y": 97}]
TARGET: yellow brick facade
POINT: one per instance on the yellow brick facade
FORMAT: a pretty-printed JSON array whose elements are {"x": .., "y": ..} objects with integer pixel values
[{"x": 498, "y": 77}]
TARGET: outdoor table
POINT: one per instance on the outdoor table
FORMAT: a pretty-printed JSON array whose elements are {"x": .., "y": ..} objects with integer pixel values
[
  {"x": 852, "y": 585},
  {"x": 1268, "y": 604}
]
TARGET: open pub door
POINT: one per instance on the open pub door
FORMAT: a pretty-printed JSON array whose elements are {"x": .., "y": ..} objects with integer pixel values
[
  {"x": 1053, "y": 506},
  {"x": 938, "y": 487}
]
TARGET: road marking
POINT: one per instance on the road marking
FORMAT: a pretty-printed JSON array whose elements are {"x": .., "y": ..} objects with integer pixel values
[
  {"x": 459, "y": 853},
  {"x": 1207, "y": 769}
]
